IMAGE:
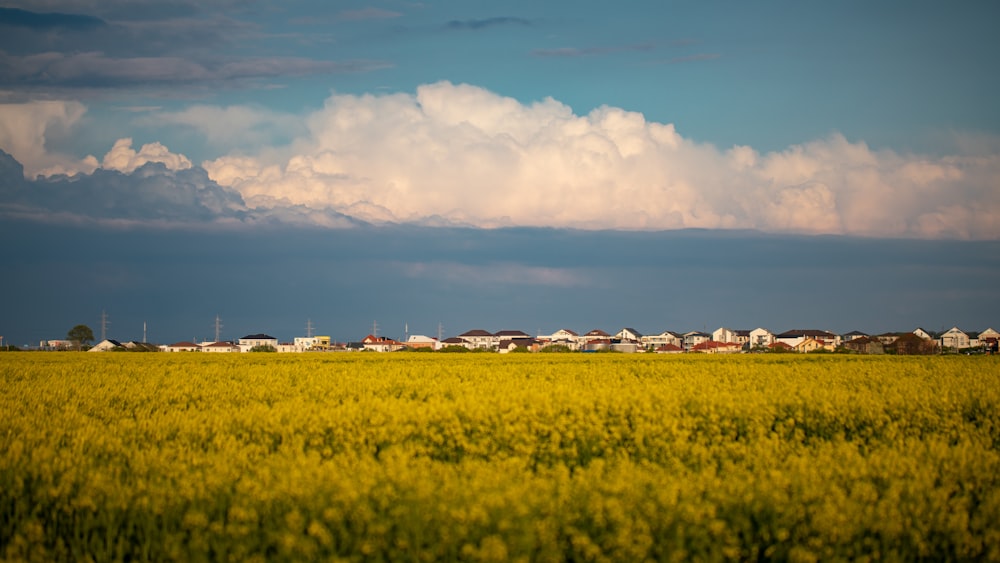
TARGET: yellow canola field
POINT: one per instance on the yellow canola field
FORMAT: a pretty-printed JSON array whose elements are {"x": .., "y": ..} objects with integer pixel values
[{"x": 481, "y": 457}]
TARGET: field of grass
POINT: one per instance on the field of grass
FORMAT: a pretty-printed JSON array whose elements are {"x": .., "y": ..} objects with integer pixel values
[{"x": 548, "y": 457}]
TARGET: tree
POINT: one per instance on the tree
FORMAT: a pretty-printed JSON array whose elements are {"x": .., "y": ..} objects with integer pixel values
[{"x": 81, "y": 335}]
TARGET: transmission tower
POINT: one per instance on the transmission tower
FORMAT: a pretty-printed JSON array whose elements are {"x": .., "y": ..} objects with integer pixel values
[
  {"x": 218, "y": 327},
  {"x": 375, "y": 329},
  {"x": 309, "y": 328}
]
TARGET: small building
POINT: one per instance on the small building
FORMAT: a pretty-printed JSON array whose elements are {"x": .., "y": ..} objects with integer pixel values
[
  {"x": 714, "y": 347},
  {"x": 761, "y": 338},
  {"x": 381, "y": 344},
  {"x": 183, "y": 346},
  {"x": 655, "y": 341},
  {"x": 107, "y": 345},
  {"x": 417, "y": 341},
  {"x": 478, "y": 338},
  {"x": 628, "y": 335},
  {"x": 220, "y": 347},
  {"x": 252, "y": 341},
  {"x": 956, "y": 339}
]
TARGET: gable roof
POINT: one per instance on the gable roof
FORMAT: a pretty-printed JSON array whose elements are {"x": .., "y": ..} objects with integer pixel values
[
  {"x": 805, "y": 333},
  {"x": 597, "y": 332},
  {"x": 512, "y": 334},
  {"x": 476, "y": 332},
  {"x": 259, "y": 336}
]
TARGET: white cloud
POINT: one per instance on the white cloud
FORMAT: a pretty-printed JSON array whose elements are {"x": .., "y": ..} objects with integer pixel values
[
  {"x": 25, "y": 129},
  {"x": 462, "y": 154},
  {"x": 123, "y": 158}
]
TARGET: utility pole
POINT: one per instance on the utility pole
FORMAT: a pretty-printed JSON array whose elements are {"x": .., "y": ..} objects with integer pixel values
[
  {"x": 406, "y": 331},
  {"x": 218, "y": 327},
  {"x": 143, "y": 332}
]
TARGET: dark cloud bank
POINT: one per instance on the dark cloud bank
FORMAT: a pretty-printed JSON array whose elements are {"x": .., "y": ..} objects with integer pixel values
[{"x": 173, "y": 249}]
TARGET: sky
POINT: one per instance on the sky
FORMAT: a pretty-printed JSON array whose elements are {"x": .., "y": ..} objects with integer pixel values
[{"x": 426, "y": 167}]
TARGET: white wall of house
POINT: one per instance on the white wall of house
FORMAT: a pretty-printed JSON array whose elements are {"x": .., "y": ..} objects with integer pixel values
[{"x": 761, "y": 338}]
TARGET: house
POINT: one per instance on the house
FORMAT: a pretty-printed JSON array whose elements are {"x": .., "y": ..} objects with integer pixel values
[
  {"x": 563, "y": 337},
  {"x": 864, "y": 345},
  {"x": 723, "y": 334},
  {"x": 509, "y": 345},
  {"x": 420, "y": 341},
  {"x": 106, "y": 345},
  {"x": 455, "y": 341},
  {"x": 794, "y": 337},
  {"x": 141, "y": 346},
  {"x": 511, "y": 335},
  {"x": 670, "y": 337},
  {"x": 714, "y": 347},
  {"x": 184, "y": 346},
  {"x": 926, "y": 335},
  {"x": 596, "y": 334},
  {"x": 478, "y": 338},
  {"x": 252, "y": 341},
  {"x": 694, "y": 338},
  {"x": 381, "y": 344},
  {"x": 220, "y": 347},
  {"x": 761, "y": 338},
  {"x": 990, "y": 339},
  {"x": 629, "y": 335},
  {"x": 811, "y": 344},
  {"x": 303, "y": 343},
  {"x": 669, "y": 349},
  {"x": 779, "y": 347},
  {"x": 853, "y": 335},
  {"x": 957, "y": 339}
]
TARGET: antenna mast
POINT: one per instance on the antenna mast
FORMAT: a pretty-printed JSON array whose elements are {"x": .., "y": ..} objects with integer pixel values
[
  {"x": 218, "y": 327},
  {"x": 375, "y": 329},
  {"x": 309, "y": 328},
  {"x": 440, "y": 331}
]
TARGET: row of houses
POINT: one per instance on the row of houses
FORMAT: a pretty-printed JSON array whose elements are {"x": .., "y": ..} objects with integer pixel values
[{"x": 721, "y": 341}]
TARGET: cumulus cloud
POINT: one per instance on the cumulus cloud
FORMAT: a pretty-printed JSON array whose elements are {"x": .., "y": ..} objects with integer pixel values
[
  {"x": 459, "y": 154},
  {"x": 25, "y": 129},
  {"x": 233, "y": 127},
  {"x": 123, "y": 158}
]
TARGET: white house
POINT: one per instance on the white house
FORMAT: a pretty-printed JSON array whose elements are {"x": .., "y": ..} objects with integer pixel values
[
  {"x": 664, "y": 338},
  {"x": 731, "y": 336},
  {"x": 923, "y": 333},
  {"x": 564, "y": 337},
  {"x": 794, "y": 337},
  {"x": 220, "y": 347},
  {"x": 478, "y": 338},
  {"x": 694, "y": 338},
  {"x": 182, "y": 347},
  {"x": 251, "y": 341},
  {"x": 106, "y": 345},
  {"x": 381, "y": 344},
  {"x": 956, "y": 338},
  {"x": 421, "y": 341},
  {"x": 761, "y": 338},
  {"x": 629, "y": 335}
]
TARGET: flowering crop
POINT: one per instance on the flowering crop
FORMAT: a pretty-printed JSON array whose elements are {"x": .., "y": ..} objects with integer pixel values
[{"x": 425, "y": 457}]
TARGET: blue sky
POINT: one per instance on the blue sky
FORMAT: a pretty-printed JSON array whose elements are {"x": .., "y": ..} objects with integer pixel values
[{"x": 815, "y": 138}]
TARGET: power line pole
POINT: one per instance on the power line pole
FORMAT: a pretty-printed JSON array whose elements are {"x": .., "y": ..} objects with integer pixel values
[
  {"x": 218, "y": 327},
  {"x": 375, "y": 329},
  {"x": 309, "y": 328},
  {"x": 440, "y": 331},
  {"x": 143, "y": 332}
]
